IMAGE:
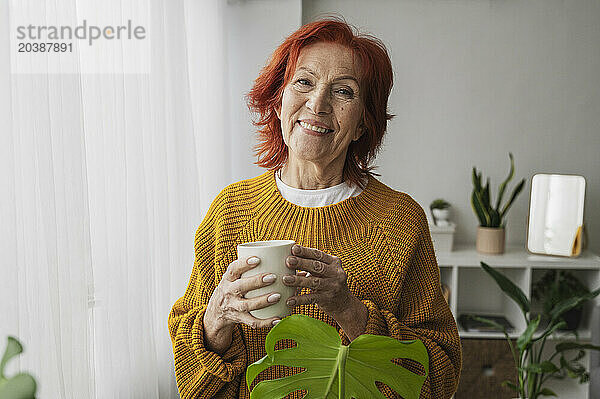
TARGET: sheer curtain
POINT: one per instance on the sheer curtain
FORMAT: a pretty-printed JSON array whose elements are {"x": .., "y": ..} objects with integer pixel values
[{"x": 104, "y": 182}]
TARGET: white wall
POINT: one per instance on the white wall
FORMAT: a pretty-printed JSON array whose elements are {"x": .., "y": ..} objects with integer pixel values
[
  {"x": 255, "y": 28},
  {"x": 475, "y": 80}
]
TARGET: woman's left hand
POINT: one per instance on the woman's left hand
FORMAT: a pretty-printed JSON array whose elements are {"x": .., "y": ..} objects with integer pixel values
[{"x": 327, "y": 280}]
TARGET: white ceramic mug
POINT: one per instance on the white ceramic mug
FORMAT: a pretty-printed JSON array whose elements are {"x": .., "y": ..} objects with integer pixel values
[{"x": 272, "y": 256}]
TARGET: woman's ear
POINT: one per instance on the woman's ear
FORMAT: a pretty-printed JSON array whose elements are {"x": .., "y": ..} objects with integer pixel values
[
  {"x": 359, "y": 132},
  {"x": 362, "y": 128}
]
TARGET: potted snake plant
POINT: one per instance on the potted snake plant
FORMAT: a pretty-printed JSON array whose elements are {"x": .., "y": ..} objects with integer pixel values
[{"x": 491, "y": 230}]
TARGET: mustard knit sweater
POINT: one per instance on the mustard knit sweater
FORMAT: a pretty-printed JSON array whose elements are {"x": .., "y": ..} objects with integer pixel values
[{"x": 383, "y": 240}]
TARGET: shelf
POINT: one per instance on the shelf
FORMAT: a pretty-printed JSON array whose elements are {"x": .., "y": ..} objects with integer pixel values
[
  {"x": 584, "y": 335},
  {"x": 486, "y": 335},
  {"x": 472, "y": 290},
  {"x": 515, "y": 256}
]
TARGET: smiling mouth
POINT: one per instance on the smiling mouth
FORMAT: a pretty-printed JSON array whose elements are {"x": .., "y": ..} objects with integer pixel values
[{"x": 314, "y": 130}]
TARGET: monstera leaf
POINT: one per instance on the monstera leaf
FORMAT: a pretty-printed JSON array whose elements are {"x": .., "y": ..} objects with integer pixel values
[
  {"x": 333, "y": 370},
  {"x": 20, "y": 386}
]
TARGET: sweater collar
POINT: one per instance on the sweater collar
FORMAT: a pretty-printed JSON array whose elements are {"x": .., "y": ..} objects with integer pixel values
[
  {"x": 277, "y": 217},
  {"x": 348, "y": 203}
]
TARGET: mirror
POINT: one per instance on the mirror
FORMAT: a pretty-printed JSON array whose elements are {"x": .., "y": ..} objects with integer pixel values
[{"x": 555, "y": 220}]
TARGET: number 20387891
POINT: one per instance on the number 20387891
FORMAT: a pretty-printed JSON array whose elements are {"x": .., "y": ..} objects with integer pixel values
[{"x": 45, "y": 47}]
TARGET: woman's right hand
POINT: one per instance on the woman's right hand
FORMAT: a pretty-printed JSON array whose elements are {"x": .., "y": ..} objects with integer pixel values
[{"x": 227, "y": 305}]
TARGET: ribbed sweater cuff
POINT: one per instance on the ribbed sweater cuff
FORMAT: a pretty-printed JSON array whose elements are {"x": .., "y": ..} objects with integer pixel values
[{"x": 227, "y": 366}]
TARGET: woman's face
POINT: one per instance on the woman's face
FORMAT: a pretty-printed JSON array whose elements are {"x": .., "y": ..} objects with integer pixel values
[{"x": 323, "y": 93}]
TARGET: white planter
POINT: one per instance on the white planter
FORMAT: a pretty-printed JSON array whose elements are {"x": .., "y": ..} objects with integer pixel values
[
  {"x": 441, "y": 215},
  {"x": 442, "y": 237}
]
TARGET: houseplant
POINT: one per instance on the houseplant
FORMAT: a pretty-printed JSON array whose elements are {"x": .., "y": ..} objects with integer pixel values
[
  {"x": 333, "y": 370},
  {"x": 556, "y": 286},
  {"x": 440, "y": 211},
  {"x": 20, "y": 386},
  {"x": 442, "y": 231},
  {"x": 533, "y": 371},
  {"x": 491, "y": 233}
]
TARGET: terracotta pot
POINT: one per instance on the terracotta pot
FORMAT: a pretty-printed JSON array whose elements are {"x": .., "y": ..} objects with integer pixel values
[{"x": 490, "y": 240}]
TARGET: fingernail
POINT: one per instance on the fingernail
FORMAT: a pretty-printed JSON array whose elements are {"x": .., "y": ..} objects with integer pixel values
[
  {"x": 292, "y": 260},
  {"x": 296, "y": 249},
  {"x": 288, "y": 279},
  {"x": 275, "y": 322},
  {"x": 273, "y": 297},
  {"x": 253, "y": 260},
  {"x": 291, "y": 302},
  {"x": 269, "y": 278}
]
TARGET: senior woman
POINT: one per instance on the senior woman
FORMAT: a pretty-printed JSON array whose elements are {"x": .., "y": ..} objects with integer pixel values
[{"x": 364, "y": 256}]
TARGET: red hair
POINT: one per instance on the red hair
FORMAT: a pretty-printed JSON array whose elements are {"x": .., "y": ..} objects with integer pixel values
[{"x": 376, "y": 79}]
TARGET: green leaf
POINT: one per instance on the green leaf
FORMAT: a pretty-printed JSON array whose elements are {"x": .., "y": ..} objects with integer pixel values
[
  {"x": 510, "y": 385},
  {"x": 479, "y": 209},
  {"x": 476, "y": 179},
  {"x": 22, "y": 385},
  {"x": 494, "y": 218},
  {"x": 541, "y": 368},
  {"x": 503, "y": 185},
  {"x": 331, "y": 367},
  {"x": 509, "y": 288},
  {"x": 516, "y": 192},
  {"x": 579, "y": 356},
  {"x": 574, "y": 369},
  {"x": 565, "y": 346},
  {"x": 547, "y": 392},
  {"x": 13, "y": 348},
  {"x": 551, "y": 330},
  {"x": 485, "y": 195},
  {"x": 524, "y": 340},
  {"x": 570, "y": 303},
  {"x": 439, "y": 203}
]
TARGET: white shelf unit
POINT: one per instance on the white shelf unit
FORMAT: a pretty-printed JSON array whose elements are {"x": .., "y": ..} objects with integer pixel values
[{"x": 473, "y": 290}]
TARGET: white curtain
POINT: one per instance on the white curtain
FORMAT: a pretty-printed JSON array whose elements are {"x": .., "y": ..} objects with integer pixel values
[{"x": 105, "y": 178}]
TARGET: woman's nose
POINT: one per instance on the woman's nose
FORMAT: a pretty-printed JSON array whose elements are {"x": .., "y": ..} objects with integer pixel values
[{"x": 319, "y": 101}]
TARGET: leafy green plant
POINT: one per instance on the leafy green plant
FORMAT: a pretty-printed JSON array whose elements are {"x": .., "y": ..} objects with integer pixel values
[
  {"x": 481, "y": 199},
  {"x": 439, "y": 204},
  {"x": 532, "y": 370},
  {"x": 20, "y": 386},
  {"x": 556, "y": 286},
  {"x": 333, "y": 370}
]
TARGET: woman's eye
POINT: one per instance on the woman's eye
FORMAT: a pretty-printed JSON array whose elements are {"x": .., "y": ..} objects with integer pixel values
[
  {"x": 345, "y": 92},
  {"x": 303, "y": 82}
]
